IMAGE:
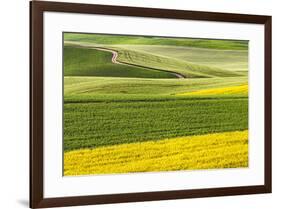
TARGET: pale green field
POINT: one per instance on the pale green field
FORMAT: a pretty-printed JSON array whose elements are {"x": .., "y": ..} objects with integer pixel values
[
  {"x": 232, "y": 60},
  {"x": 102, "y": 88},
  {"x": 189, "y": 68},
  {"x": 106, "y": 39}
]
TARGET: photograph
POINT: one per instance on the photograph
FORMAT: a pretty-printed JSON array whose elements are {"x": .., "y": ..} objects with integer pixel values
[{"x": 136, "y": 103}]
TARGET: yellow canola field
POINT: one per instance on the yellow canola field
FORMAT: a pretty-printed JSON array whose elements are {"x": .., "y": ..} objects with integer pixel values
[
  {"x": 210, "y": 151},
  {"x": 230, "y": 90}
]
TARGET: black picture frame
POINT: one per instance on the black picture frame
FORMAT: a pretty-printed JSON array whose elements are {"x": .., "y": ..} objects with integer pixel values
[{"x": 37, "y": 8}]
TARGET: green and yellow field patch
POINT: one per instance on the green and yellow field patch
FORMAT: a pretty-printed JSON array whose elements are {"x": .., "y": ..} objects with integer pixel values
[
  {"x": 210, "y": 151},
  {"x": 230, "y": 90},
  {"x": 92, "y": 88},
  {"x": 91, "y": 124}
]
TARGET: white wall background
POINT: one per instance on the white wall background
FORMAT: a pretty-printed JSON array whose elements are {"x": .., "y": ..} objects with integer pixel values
[{"x": 14, "y": 110}]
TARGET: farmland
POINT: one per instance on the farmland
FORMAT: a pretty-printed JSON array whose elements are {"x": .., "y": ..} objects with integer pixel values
[
  {"x": 159, "y": 95},
  {"x": 210, "y": 151}
]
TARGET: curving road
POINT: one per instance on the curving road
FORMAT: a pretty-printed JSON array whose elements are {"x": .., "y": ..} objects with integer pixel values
[
  {"x": 115, "y": 61},
  {"x": 114, "y": 55}
]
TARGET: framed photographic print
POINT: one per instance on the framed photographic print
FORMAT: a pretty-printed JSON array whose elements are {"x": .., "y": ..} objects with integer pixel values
[{"x": 139, "y": 104}]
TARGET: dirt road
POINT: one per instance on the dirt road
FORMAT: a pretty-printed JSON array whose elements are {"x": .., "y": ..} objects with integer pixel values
[{"x": 115, "y": 61}]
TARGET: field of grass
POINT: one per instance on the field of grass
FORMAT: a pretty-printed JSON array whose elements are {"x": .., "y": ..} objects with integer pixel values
[
  {"x": 157, "y": 61},
  {"x": 184, "y": 153},
  {"x": 79, "y": 62},
  {"x": 89, "y": 89},
  {"x": 146, "y": 40},
  {"x": 161, "y": 95},
  {"x": 181, "y": 66},
  {"x": 232, "y": 60}
]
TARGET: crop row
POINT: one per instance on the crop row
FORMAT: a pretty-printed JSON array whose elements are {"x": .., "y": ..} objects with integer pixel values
[
  {"x": 90, "y": 125},
  {"x": 219, "y": 150}
]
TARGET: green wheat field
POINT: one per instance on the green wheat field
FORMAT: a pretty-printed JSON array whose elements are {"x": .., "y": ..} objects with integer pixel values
[{"x": 148, "y": 104}]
